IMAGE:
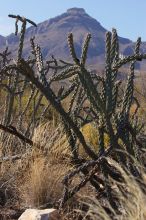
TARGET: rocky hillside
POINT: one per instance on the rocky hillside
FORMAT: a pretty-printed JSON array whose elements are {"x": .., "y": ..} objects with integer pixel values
[{"x": 52, "y": 36}]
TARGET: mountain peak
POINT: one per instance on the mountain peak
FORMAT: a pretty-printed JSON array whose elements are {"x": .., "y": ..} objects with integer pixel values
[
  {"x": 51, "y": 36},
  {"x": 75, "y": 10}
]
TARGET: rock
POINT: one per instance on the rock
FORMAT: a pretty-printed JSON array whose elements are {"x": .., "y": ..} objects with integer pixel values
[{"x": 46, "y": 214}]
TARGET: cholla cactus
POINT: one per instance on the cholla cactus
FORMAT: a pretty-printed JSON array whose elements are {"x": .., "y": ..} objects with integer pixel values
[
  {"x": 22, "y": 104},
  {"x": 94, "y": 99}
]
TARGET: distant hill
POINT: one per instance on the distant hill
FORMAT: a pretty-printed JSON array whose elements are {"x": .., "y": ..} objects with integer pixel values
[{"x": 51, "y": 35}]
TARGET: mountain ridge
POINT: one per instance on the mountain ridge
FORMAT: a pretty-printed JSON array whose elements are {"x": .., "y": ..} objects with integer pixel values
[{"x": 51, "y": 35}]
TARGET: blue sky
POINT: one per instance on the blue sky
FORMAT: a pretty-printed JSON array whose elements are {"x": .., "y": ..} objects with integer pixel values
[{"x": 127, "y": 16}]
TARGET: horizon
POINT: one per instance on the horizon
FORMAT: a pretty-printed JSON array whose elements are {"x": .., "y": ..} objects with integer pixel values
[{"x": 131, "y": 25}]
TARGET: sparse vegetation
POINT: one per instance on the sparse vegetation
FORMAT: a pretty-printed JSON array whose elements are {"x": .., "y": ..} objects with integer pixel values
[{"x": 71, "y": 131}]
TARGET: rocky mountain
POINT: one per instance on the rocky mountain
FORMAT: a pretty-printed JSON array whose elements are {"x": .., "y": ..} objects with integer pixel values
[{"x": 51, "y": 35}]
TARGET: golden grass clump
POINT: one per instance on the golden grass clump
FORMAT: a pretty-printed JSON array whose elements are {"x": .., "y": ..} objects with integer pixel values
[{"x": 43, "y": 183}]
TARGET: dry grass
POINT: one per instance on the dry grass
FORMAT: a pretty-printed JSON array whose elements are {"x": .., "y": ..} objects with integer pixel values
[
  {"x": 130, "y": 195},
  {"x": 43, "y": 183},
  {"x": 36, "y": 181},
  {"x": 42, "y": 179}
]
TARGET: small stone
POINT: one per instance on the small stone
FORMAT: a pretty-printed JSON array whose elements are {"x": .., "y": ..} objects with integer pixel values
[{"x": 46, "y": 214}]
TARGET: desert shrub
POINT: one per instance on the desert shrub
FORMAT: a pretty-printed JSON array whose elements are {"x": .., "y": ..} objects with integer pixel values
[{"x": 91, "y": 135}]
